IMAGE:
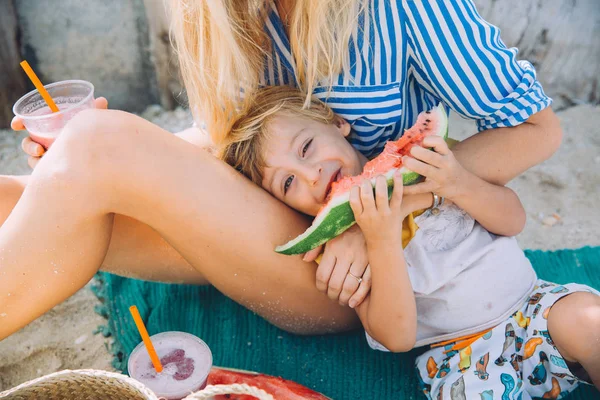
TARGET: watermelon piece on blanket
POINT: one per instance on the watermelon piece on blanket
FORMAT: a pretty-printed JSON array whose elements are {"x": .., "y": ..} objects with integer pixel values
[
  {"x": 279, "y": 388},
  {"x": 337, "y": 216}
]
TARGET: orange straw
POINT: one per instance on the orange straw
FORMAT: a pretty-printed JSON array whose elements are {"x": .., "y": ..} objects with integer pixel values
[
  {"x": 146, "y": 338},
  {"x": 38, "y": 85}
]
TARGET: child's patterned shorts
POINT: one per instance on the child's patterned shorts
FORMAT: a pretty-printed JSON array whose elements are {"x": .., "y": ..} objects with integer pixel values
[{"x": 515, "y": 360}]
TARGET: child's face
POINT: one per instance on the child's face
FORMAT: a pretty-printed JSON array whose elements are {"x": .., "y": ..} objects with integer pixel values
[{"x": 304, "y": 157}]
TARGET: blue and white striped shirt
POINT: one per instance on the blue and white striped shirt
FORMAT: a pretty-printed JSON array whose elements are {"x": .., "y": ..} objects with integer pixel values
[{"x": 408, "y": 56}]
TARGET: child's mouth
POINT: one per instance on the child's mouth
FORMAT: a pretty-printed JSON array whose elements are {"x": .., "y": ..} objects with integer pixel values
[{"x": 334, "y": 178}]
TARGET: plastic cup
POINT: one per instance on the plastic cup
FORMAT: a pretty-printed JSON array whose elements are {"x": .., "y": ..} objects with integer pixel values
[
  {"x": 186, "y": 361},
  {"x": 43, "y": 125}
]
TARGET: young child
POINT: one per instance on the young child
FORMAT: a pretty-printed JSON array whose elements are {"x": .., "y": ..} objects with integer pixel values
[{"x": 460, "y": 284}]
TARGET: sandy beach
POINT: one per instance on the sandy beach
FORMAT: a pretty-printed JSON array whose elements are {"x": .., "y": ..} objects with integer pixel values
[{"x": 560, "y": 197}]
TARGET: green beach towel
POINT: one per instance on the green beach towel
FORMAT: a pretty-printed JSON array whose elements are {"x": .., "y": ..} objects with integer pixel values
[{"x": 340, "y": 366}]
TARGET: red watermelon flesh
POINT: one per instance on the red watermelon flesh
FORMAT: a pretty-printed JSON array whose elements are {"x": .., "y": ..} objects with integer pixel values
[{"x": 279, "y": 388}]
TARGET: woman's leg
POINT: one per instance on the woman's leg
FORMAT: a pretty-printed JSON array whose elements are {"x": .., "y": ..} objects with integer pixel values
[
  {"x": 110, "y": 162},
  {"x": 11, "y": 188},
  {"x": 135, "y": 249}
]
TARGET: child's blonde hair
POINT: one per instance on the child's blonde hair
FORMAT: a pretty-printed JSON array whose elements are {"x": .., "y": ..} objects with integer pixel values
[
  {"x": 244, "y": 146},
  {"x": 222, "y": 47}
]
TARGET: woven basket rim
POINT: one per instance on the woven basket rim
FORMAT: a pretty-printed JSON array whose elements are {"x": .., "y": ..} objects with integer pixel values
[
  {"x": 134, "y": 384},
  {"x": 144, "y": 390}
]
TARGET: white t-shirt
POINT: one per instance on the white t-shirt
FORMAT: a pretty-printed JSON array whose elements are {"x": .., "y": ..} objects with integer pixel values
[{"x": 465, "y": 279}]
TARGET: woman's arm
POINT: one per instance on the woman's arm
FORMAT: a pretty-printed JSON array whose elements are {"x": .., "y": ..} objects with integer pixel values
[
  {"x": 493, "y": 158},
  {"x": 475, "y": 74},
  {"x": 501, "y": 154},
  {"x": 496, "y": 208}
]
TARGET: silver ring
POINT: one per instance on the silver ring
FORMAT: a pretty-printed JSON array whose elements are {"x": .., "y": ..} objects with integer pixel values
[{"x": 356, "y": 277}]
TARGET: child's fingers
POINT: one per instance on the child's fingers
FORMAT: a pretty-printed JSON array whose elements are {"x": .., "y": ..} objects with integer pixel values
[
  {"x": 427, "y": 156},
  {"x": 355, "y": 202},
  {"x": 419, "y": 188},
  {"x": 396, "y": 200},
  {"x": 381, "y": 193},
  {"x": 366, "y": 196},
  {"x": 421, "y": 168},
  {"x": 438, "y": 143}
]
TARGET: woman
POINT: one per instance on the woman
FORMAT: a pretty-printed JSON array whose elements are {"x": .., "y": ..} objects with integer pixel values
[{"x": 119, "y": 193}]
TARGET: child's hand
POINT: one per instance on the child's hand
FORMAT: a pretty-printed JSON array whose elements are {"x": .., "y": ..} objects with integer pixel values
[
  {"x": 379, "y": 219},
  {"x": 444, "y": 174}
]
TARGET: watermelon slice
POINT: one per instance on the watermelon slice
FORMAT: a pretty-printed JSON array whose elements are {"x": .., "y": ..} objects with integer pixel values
[
  {"x": 279, "y": 388},
  {"x": 336, "y": 215}
]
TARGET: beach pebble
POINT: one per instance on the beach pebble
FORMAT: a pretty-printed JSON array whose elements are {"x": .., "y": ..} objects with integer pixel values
[
  {"x": 550, "y": 221},
  {"x": 81, "y": 339}
]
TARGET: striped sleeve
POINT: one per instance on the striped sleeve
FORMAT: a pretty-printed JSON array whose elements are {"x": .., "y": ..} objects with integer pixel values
[{"x": 459, "y": 58}]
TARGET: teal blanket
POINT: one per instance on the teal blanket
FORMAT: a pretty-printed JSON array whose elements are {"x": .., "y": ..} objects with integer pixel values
[{"x": 340, "y": 366}]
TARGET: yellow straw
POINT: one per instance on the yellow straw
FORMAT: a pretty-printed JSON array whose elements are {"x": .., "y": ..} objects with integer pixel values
[
  {"x": 38, "y": 85},
  {"x": 146, "y": 338}
]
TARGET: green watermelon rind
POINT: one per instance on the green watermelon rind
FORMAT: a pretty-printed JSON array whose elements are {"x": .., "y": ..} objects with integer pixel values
[{"x": 331, "y": 223}]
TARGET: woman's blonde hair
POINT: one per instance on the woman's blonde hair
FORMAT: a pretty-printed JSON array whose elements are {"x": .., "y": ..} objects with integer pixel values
[
  {"x": 244, "y": 147},
  {"x": 222, "y": 47}
]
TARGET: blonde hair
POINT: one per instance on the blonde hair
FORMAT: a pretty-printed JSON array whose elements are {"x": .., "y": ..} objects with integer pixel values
[
  {"x": 222, "y": 46},
  {"x": 244, "y": 147}
]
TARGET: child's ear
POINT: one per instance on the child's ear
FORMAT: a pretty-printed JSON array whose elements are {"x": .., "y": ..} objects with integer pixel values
[{"x": 342, "y": 125}]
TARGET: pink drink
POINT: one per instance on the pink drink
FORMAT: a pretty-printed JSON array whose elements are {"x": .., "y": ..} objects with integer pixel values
[
  {"x": 186, "y": 362},
  {"x": 43, "y": 125}
]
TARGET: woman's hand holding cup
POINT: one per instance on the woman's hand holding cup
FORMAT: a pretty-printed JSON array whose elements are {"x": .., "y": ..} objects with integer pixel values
[{"x": 35, "y": 150}]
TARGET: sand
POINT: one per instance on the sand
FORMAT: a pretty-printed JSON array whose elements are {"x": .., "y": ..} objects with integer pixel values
[{"x": 560, "y": 197}]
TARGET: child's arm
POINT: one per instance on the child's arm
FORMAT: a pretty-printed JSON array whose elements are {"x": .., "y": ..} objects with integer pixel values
[
  {"x": 497, "y": 208},
  {"x": 389, "y": 314}
]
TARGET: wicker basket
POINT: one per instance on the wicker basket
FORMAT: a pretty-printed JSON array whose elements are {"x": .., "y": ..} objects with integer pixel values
[{"x": 91, "y": 384}]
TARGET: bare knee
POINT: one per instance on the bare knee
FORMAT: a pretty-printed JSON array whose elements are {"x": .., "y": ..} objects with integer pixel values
[
  {"x": 574, "y": 324},
  {"x": 97, "y": 133},
  {"x": 90, "y": 144}
]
